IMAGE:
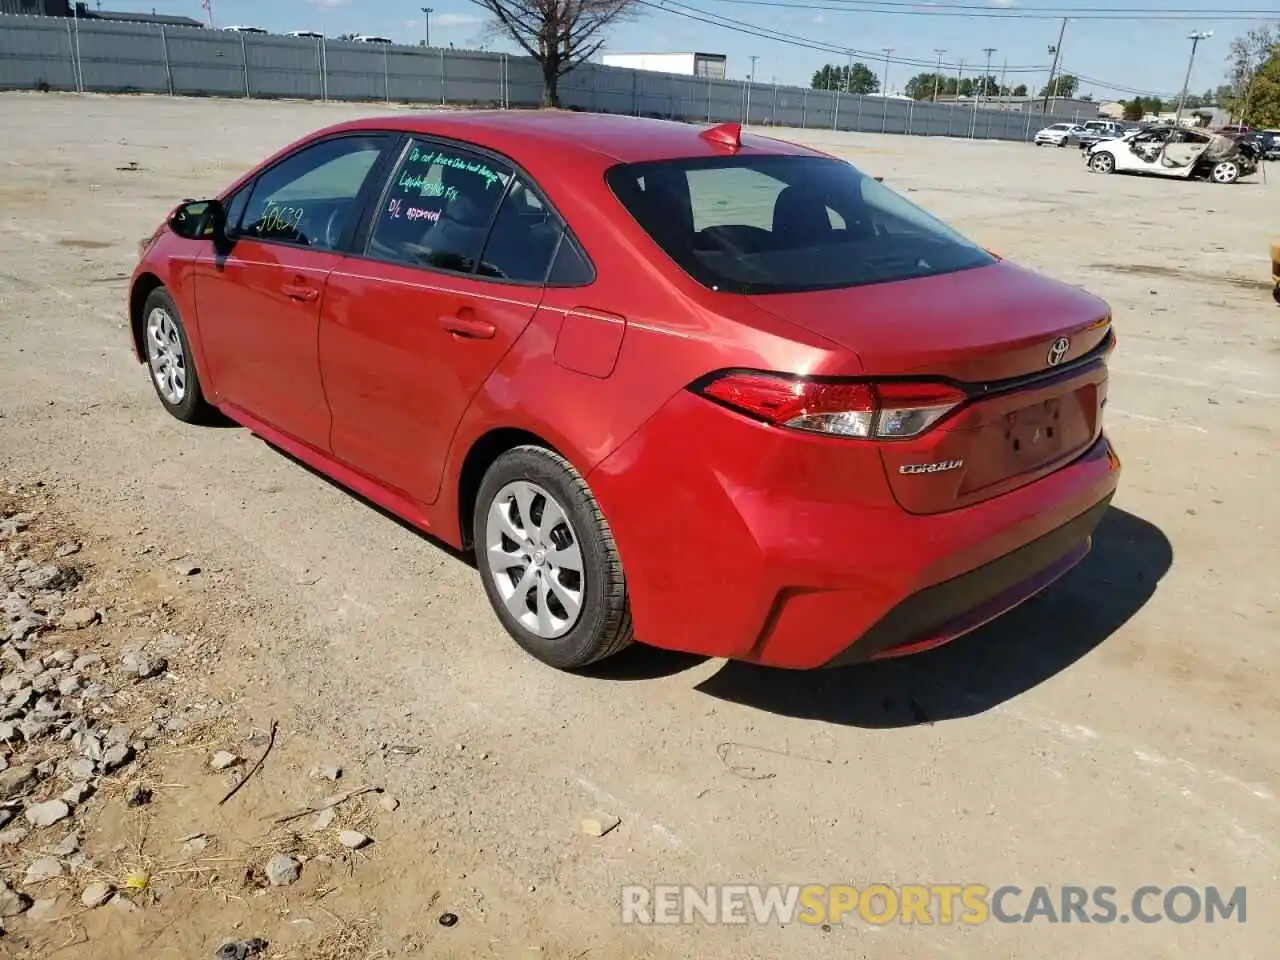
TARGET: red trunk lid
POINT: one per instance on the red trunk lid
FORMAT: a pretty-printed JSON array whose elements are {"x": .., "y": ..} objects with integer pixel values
[{"x": 1033, "y": 406}]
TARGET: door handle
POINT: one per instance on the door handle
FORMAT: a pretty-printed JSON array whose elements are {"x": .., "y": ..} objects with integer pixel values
[
  {"x": 300, "y": 291},
  {"x": 468, "y": 327}
]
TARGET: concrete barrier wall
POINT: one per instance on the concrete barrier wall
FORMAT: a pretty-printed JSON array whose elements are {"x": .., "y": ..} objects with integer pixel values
[{"x": 50, "y": 53}]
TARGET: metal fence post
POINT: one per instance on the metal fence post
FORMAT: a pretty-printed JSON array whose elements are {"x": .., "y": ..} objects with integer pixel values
[
  {"x": 244, "y": 59},
  {"x": 708, "y": 99},
  {"x": 73, "y": 41},
  {"x": 835, "y": 114},
  {"x": 386, "y": 75},
  {"x": 884, "y": 113},
  {"x": 911, "y": 109},
  {"x": 804, "y": 107},
  {"x": 324, "y": 73},
  {"x": 168, "y": 70},
  {"x": 443, "y": 99},
  {"x": 857, "y": 120}
]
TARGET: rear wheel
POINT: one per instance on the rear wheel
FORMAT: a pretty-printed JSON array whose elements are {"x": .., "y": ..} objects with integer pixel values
[
  {"x": 1225, "y": 171},
  {"x": 170, "y": 361},
  {"x": 548, "y": 561},
  {"x": 1102, "y": 163}
]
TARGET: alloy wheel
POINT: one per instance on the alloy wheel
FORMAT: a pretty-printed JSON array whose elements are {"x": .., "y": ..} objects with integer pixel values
[
  {"x": 165, "y": 356},
  {"x": 1102, "y": 163},
  {"x": 1226, "y": 172},
  {"x": 534, "y": 555}
]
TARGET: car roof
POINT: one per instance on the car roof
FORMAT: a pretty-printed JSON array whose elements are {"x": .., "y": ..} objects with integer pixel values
[{"x": 617, "y": 138}]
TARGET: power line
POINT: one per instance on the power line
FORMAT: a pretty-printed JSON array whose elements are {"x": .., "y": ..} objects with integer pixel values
[
  {"x": 749, "y": 29},
  {"x": 892, "y": 8}
]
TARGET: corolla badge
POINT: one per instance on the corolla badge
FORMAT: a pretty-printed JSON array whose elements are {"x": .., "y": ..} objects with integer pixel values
[
  {"x": 940, "y": 467},
  {"x": 1058, "y": 351}
]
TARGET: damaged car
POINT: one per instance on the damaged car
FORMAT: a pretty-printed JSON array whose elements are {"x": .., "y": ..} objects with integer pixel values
[{"x": 1175, "y": 152}]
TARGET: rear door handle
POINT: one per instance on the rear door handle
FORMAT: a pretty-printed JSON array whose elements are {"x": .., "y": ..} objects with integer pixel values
[
  {"x": 468, "y": 327},
  {"x": 300, "y": 291}
]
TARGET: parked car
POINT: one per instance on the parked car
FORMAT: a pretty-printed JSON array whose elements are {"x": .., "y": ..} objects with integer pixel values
[
  {"x": 1235, "y": 130},
  {"x": 305, "y": 34},
  {"x": 1091, "y": 131},
  {"x": 244, "y": 29},
  {"x": 364, "y": 38},
  {"x": 1175, "y": 152},
  {"x": 1267, "y": 142},
  {"x": 811, "y": 426},
  {"x": 1056, "y": 134}
]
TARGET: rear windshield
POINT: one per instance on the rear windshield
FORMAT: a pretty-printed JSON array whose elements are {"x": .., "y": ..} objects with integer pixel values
[{"x": 786, "y": 224}]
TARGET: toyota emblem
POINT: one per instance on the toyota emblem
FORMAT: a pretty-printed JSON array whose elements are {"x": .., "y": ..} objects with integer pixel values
[{"x": 1058, "y": 351}]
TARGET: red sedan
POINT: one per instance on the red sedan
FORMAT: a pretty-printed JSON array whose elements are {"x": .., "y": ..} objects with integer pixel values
[{"x": 715, "y": 392}]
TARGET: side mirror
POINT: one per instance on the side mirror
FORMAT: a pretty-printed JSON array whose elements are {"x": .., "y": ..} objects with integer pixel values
[{"x": 201, "y": 220}]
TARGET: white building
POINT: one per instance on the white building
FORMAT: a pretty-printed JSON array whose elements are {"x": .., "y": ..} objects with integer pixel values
[{"x": 711, "y": 65}]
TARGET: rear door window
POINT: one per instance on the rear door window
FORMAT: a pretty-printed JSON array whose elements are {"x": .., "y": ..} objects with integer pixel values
[{"x": 438, "y": 208}]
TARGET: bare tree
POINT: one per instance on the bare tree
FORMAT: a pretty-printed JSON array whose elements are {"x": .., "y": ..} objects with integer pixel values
[
  {"x": 1248, "y": 54},
  {"x": 558, "y": 34}
]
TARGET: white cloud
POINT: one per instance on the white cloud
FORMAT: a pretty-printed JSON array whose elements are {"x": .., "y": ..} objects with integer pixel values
[
  {"x": 819, "y": 19},
  {"x": 1004, "y": 3},
  {"x": 327, "y": 3}
]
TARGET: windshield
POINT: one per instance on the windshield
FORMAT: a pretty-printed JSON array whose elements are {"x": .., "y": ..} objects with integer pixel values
[{"x": 786, "y": 224}]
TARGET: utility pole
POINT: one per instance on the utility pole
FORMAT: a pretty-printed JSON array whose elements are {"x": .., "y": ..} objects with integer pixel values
[
  {"x": 1195, "y": 38},
  {"x": 937, "y": 75},
  {"x": 207, "y": 4},
  {"x": 884, "y": 87},
  {"x": 987, "y": 73},
  {"x": 1001, "y": 92},
  {"x": 848, "y": 72},
  {"x": 426, "y": 25},
  {"x": 959, "y": 76},
  {"x": 1055, "y": 49},
  {"x": 750, "y": 79},
  {"x": 978, "y": 94}
]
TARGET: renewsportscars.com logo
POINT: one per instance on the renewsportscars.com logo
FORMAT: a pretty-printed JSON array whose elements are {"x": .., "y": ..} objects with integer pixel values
[{"x": 940, "y": 904}]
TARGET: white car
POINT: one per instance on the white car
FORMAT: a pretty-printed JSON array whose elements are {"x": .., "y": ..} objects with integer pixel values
[
  {"x": 1056, "y": 134},
  {"x": 1169, "y": 152}
]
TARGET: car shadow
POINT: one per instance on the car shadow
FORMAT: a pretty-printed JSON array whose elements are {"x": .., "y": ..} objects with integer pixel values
[{"x": 996, "y": 663}]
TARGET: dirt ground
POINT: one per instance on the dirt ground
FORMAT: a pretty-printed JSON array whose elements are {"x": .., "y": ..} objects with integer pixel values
[{"x": 1119, "y": 730}]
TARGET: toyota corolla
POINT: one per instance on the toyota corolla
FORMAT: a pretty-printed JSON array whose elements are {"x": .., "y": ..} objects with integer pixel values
[{"x": 707, "y": 390}]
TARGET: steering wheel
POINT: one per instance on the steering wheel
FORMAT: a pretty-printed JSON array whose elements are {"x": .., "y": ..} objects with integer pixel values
[{"x": 333, "y": 229}]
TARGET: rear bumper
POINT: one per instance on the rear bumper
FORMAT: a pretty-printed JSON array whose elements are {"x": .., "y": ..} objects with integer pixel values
[{"x": 751, "y": 543}]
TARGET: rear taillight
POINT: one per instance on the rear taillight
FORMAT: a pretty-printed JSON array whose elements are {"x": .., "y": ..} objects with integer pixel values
[{"x": 891, "y": 410}]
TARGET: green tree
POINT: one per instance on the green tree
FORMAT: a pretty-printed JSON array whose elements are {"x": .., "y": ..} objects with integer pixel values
[
  {"x": 1020, "y": 90},
  {"x": 1134, "y": 109},
  {"x": 1246, "y": 59},
  {"x": 922, "y": 86},
  {"x": 1063, "y": 86},
  {"x": 856, "y": 79},
  {"x": 1264, "y": 95}
]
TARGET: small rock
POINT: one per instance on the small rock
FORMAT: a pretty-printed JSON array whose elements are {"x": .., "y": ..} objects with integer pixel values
[
  {"x": 12, "y": 682},
  {"x": 176, "y": 724},
  {"x": 78, "y": 793},
  {"x": 116, "y": 757},
  {"x": 51, "y": 577},
  {"x": 96, "y": 894},
  {"x": 15, "y": 780},
  {"x": 150, "y": 732},
  {"x": 140, "y": 664},
  {"x": 196, "y": 844},
  {"x": 69, "y": 845},
  {"x": 328, "y": 772},
  {"x": 8, "y": 730},
  {"x": 60, "y": 658},
  {"x": 85, "y": 661},
  {"x": 33, "y": 730},
  {"x": 186, "y": 568},
  {"x": 69, "y": 685},
  {"x": 48, "y": 813},
  {"x": 599, "y": 824},
  {"x": 241, "y": 949},
  {"x": 67, "y": 549},
  {"x": 282, "y": 870},
  {"x": 45, "y": 911},
  {"x": 388, "y": 803},
  {"x": 79, "y": 619},
  {"x": 119, "y": 734},
  {"x": 124, "y": 904},
  {"x": 353, "y": 839},
  {"x": 323, "y": 819},
  {"x": 46, "y": 768},
  {"x": 81, "y": 768},
  {"x": 223, "y": 760},
  {"x": 5, "y": 816},
  {"x": 13, "y": 836},
  {"x": 46, "y": 868},
  {"x": 12, "y": 902}
]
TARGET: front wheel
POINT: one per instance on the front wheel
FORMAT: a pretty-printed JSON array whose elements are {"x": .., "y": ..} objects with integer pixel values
[
  {"x": 1102, "y": 163},
  {"x": 1225, "y": 171},
  {"x": 548, "y": 561},
  {"x": 170, "y": 360}
]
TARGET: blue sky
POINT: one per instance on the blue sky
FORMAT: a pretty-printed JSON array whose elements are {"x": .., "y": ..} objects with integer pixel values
[{"x": 1144, "y": 53}]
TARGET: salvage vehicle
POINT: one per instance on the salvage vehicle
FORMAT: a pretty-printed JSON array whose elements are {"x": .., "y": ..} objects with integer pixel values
[
  {"x": 1094, "y": 130},
  {"x": 1175, "y": 152},
  {"x": 713, "y": 391},
  {"x": 1275, "y": 269}
]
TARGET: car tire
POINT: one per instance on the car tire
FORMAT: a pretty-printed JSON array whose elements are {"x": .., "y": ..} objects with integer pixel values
[
  {"x": 170, "y": 363},
  {"x": 1102, "y": 163},
  {"x": 533, "y": 594},
  {"x": 1225, "y": 171}
]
